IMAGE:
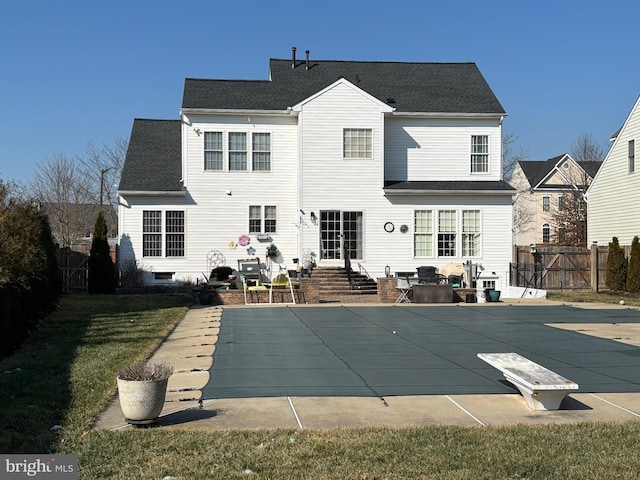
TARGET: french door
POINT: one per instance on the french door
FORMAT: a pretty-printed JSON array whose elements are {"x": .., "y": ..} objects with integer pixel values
[{"x": 338, "y": 230}]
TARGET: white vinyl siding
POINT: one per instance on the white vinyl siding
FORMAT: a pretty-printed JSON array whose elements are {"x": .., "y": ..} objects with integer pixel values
[{"x": 422, "y": 149}]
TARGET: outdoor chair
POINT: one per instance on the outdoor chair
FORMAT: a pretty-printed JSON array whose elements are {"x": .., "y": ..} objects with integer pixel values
[
  {"x": 252, "y": 288},
  {"x": 281, "y": 283},
  {"x": 404, "y": 287}
]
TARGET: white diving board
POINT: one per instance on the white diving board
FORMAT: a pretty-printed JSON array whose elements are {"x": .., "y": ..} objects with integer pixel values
[{"x": 541, "y": 388}]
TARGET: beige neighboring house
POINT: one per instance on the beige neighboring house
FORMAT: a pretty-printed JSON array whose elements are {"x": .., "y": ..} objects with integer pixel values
[
  {"x": 614, "y": 195},
  {"x": 543, "y": 187}
]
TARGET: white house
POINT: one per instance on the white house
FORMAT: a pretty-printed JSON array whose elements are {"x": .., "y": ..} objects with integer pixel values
[
  {"x": 396, "y": 164},
  {"x": 615, "y": 190}
]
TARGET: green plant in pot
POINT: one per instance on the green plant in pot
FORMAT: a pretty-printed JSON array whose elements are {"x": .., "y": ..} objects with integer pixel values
[{"x": 142, "y": 389}]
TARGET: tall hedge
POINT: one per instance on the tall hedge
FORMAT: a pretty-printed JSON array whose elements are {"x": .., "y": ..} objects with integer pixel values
[
  {"x": 633, "y": 270},
  {"x": 616, "y": 277},
  {"x": 30, "y": 281},
  {"x": 102, "y": 271}
]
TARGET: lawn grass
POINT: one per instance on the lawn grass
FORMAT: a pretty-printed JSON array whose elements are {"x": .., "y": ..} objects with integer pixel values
[
  {"x": 587, "y": 296},
  {"x": 67, "y": 376}
]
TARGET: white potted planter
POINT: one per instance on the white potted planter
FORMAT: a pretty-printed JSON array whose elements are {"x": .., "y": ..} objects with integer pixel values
[{"x": 142, "y": 389}]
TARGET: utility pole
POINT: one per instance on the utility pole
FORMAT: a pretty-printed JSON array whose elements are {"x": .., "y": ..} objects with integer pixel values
[{"x": 102, "y": 172}]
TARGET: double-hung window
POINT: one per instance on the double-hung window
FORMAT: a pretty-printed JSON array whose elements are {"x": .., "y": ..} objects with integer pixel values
[
  {"x": 175, "y": 233},
  {"x": 471, "y": 233},
  {"x": 479, "y": 153},
  {"x": 262, "y": 219},
  {"x": 237, "y": 151},
  {"x": 447, "y": 220},
  {"x": 261, "y": 148},
  {"x": 546, "y": 233},
  {"x": 632, "y": 156},
  {"x": 156, "y": 239},
  {"x": 213, "y": 151},
  {"x": 357, "y": 143},
  {"x": 152, "y": 233},
  {"x": 546, "y": 203},
  {"x": 561, "y": 202},
  {"x": 423, "y": 233}
]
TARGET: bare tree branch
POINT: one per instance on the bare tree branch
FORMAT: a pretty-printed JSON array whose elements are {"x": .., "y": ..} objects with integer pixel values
[{"x": 587, "y": 149}]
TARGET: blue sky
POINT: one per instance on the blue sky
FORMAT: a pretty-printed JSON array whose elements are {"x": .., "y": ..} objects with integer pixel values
[{"x": 74, "y": 72}]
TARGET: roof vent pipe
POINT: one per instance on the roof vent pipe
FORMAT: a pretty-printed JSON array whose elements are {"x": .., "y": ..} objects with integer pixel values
[
  {"x": 307, "y": 64},
  {"x": 293, "y": 57}
]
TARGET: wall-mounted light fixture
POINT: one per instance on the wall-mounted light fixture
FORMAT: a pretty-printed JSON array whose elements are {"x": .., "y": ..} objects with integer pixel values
[
  {"x": 197, "y": 130},
  {"x": 387, "y": 271},
  {"x": 228, "y": 192},
  {"x": 533, "y": 248},
  {"x": 314, "y": 219}
]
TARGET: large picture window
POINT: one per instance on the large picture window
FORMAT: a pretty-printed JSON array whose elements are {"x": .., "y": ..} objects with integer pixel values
[
  {"x": 479, "y": 154},
  {"x": 357, "y": 143},
  {"x": 423, "y": 233}
]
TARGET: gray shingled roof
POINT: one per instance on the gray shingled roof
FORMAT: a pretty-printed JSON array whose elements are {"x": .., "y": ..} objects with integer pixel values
[
  {"x": 458, "y": 186},
  {"x": 153, "y": 161},
  {"x": 408, "y": 87},
  {"x": 536, "y": 171}
]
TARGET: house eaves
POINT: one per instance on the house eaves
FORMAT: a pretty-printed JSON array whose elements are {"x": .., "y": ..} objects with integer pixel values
[
  {"x": 449, "y": 188},
  {"x": 146, "y": 193}
]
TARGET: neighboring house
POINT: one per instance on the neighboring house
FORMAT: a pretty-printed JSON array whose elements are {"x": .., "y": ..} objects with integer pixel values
[
  {"x": 72, "y": 223},
  {"x": 397, "y": 164},
  {"x": 615, "y": 192},
  {"x": 543, "y": 189}
]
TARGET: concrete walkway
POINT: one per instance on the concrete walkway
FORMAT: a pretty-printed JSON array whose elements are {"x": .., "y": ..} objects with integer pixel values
[{"x": 190, "y": 348}]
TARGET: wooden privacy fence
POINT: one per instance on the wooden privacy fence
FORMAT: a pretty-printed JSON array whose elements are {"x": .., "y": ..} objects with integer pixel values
[
  {"x": 74, "y": 267},
  {"x": 557, "y": 267}
]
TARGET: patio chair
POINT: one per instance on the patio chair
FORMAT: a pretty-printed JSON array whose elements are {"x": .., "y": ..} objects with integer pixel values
[
  {"x": 281, "y": 283},
  {"x": 251, "y": 288},
  {"x": 404, "y": 287}
]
